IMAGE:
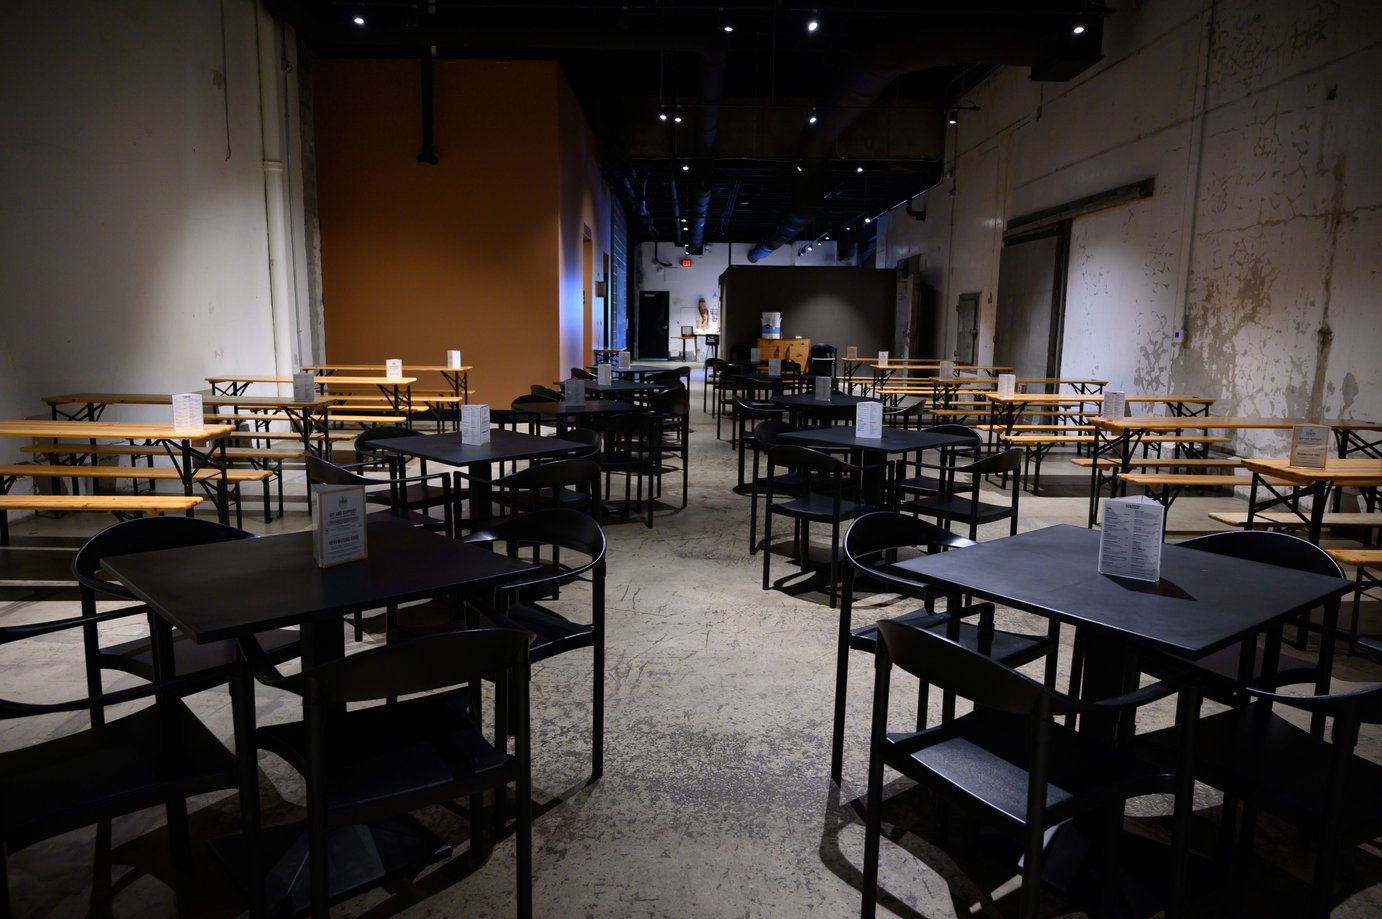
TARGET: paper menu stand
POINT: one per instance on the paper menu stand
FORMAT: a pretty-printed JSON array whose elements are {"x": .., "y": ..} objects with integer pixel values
[
  {"x": 339, "y": 512},
  {"x": 823, "y": 389},
  {"x": 574, "y": 392},
  {"x": 604, "y": 374},
  {"x": 625, "y": 360},
  {"x": 1130, "y": 541},
  {"x": 1310, "y": 445},
  {"x": 868, "y": 420},
  {"x": 947, "y": 370},
  {"x": 453, "y": 360},
  {"x": 304, "y": 387},
  {"x": 852, "y": 353},
  {"x": 1115, "y": 405},
  {"x": 883, "y": 358},
  {"x": 475, "y": 424},
  {"x": 1007, "y": 384},
  {"x": 393, "y": 368},
  {"x": 755, "y": 355},
  {"x": 774, "y": 366},
  {"x": 187, "y": 413}
]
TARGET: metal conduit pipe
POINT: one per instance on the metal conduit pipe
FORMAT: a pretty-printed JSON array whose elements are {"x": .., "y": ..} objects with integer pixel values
[{"x": 708, "y": 122}]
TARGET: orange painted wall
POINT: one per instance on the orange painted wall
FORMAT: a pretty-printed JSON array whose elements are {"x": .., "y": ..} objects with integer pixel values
[{"x": 418, "y": 259}]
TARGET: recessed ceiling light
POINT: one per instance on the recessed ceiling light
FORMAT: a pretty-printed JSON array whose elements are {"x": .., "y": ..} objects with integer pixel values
[
  {"x": 812, "y": 25},
  {"x": 798, "y": 169},
  {"x": 811, "y": 118},
  {"x": 1079, "y": 30},
  {"x": 729, "y": 27},
  {"x": 868, "y": 220},
  {"x": 677, "y": 116},
  {"x": 661, "y": 116},
  {"x": 859, "y": 169},
  {"x": 685, "y": 167},
  {"x": 359, "y": 20}
]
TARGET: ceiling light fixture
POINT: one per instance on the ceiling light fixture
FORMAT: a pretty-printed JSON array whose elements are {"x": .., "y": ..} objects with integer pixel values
[
  {"x": 859, "y": 169},
  {"x": 811, "y": 118},
  {"x": 662, "y": 115},
  {"x": 676, "y": 116},
  {"x": 812, "y": 24},
  {"x": 868, "y": 220},
  {"x": 953, "y": 117},
  {"x": 1079, "y": 30},
  {"x": 798, "y": 168},
  {"x": 729, "y": 27},
  {"x": 685, "y": 167},
  {"x": 358, "y": 20}
]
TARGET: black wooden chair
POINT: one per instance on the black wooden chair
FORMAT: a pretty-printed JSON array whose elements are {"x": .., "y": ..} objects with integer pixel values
[
  {"x": 873, "y": 545},
  {"x": 915, "y": 479},
  {"x": 747, "y": 415},
  {"x": 633, "y": 448},
  {"x": 833, "y": 497},
  {"x": 368, "y": 763},
  {"x": 673, "y": 410},
  {"x": 572, "y": 483},
  {"x": 789, "y": 484},
  {"x": 390, "y": 492},
  {"x": 1320, "y": 785},
  {"x": 159, "y": 755},
  {"x": 1009, "y": 761},
  {"x": 372, "y": 452},
  {"x": 958, "y": 499},
  {"x": 580, "y": 373},
  {"x": 567, "y": 546},
  {"x": 204, "y": 665}
]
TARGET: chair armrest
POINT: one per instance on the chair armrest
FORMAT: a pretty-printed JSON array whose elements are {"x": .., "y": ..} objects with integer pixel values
[
  {"x": 12, "y": 709},
  {"x": 1315, "y": 704},
  {"x": 1134, "y": 698},
  {"x": 28, "y": 630}
]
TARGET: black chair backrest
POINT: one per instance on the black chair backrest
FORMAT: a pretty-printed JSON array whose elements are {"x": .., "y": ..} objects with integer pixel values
[
  {"x": 367, "y": 443},
  {"x": 587, "y": 436},
  {"x": 1007, "y": 461},
  {"x": 805, "y": 459},
  {"x": 1270, "y": 548},
  {"x": 671, "y": 402},
  {"x": 144, "y": 534},
  {"x": 557, "y": 526},
  {"x": 325, "y": 472},
  {"x": 958, "y": 430},
  {"x": 546, "y": 392},
  {"x": 882, "y": 530},
  {"x": 560, "y": 473},
  {"x": 580, "y": 373},
  {"x": 400, "y": 668},
  {"x": 969, "y": 674},
  {"x": 768, "y": 432}
]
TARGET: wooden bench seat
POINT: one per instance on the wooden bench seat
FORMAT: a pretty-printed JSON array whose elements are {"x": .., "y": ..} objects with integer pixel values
[
  {"x": 258, "y": 417},
  {"x": 1363, "y": 580},
  {"x": 287, "y": 435},
  {"x": 278, "y": 454},
  {"x": 1282, "y": 520},
  {"x": 1165, "y": 486},
  {"x": 1038, "y": 445},
  {"x": 207, "y": 476},
  {"x": 1230, "y": 462},
  {"x": 1033, "y": 428},
  {"x": 122, "y": 506}
]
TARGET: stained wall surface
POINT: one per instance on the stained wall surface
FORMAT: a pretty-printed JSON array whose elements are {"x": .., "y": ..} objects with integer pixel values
[
  {"x": 1258, "y": 122},
  {"x": 133, "y": 236}
]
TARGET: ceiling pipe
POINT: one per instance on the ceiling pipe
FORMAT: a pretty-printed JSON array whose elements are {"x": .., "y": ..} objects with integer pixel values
[
  {"x": 863, "y": 83},
  {"x": 708, "y": 123}
]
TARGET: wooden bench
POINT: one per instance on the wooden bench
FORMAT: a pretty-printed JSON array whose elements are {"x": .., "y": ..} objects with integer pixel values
[
  {"x": 1365, "y": 561},
  {"x": 1281, "y": 520},
  {"x": 207, "y": 477},
  {"x": 1230, "y": 462},
  {"x": 123, "y": 506},
  {"x": 1038, "y": 445},
  {"x": 1164, "y": 487}
]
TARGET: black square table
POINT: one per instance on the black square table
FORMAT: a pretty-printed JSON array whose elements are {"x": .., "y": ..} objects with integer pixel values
[
  {"x": 805, "y": 406},
  {"x": 873, "y": 451},
  {"x": 477, "y": 458},
  {"x": 1202, "y": 603},
  {"x": 235, "y": 589}
]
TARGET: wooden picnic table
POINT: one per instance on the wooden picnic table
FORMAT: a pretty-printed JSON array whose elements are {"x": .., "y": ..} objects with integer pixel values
[
  {"x": 1363, "y": 473},
  {"x": 1117, "y": 438},
  {"x": 458, "y": 378},
  {"x": 179, "y": 445}
]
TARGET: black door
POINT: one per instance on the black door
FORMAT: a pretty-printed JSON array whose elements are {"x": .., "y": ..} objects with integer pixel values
[{"x": 653, "y": 307}]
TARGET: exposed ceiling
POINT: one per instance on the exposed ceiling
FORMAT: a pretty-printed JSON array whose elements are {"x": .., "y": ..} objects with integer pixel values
[{"x": 746, "y": 162}]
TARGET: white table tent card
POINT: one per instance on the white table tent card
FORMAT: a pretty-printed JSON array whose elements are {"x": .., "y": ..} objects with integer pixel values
[
  {"x": 1130, "y": 541},
  {"x": 868, "y": 420}
]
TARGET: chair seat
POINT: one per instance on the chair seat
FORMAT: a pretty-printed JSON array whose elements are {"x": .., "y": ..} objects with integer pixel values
[
  {"x": 552, "y": 633},
  {"x": 1011, "y": 648},
  {"x": 817, "y": 506},
  {"x": 955, "y": 507},
  {"x": 391, "y": 752},
  {"x": 136, "y": 656},
  {"x": 137, "y": 761},
  {"x": 984, "y": 756},
  {"x": 1231, "y": 748}
]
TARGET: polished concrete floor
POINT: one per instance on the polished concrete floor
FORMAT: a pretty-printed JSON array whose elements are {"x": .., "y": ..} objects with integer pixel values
[{"x": 715, "y": 800}]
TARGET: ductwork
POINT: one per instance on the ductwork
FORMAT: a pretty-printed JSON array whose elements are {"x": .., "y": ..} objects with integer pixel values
[
  {"x": 864, "y": 82},
  {"x": 708, "y": 124}
]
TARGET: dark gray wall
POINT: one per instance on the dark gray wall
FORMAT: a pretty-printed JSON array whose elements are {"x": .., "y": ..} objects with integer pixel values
[{"x": 834, "y": 306}]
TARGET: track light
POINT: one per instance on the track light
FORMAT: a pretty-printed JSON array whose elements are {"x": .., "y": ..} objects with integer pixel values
[
  {"x": 729, "y": 27},
  {"x": 859, "y": 169},
  {"x": 953, "y": 117},
  {"x": 662, "y": 115},
  {"x": 685, "y": 167},
  {"x": 358, "y": 20},
  {"x": 798, "y": 168},
  {"x": 676, "y": 116},
  {"x": 811, "y": 118},
  {"x": 868, "y": 220},
  {"x": 1078, "y": 30},
  {"x": 812, "y": 24}
]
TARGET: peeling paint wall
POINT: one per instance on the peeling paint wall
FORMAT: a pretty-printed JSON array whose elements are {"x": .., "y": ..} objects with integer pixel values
[{"x": 1259, "y": 123}]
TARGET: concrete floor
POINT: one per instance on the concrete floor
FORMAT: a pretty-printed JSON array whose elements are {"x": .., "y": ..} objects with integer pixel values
[{"x": 715, "y": 800}]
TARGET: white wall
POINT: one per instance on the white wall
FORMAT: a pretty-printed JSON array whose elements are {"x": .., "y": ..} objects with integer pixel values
[
  {"x": 1263, "y": 228},
  {"x": 133, "y": 241},
  {"x": 686, "y": 285}
]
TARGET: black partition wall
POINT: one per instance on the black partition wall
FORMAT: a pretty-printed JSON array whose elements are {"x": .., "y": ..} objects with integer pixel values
[{"x": 833, "y": 306}]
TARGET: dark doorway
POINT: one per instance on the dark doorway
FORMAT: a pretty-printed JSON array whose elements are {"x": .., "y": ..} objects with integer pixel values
[
  {"x": 1031, "y": 304},
  {"x": 653, "y": 309}
]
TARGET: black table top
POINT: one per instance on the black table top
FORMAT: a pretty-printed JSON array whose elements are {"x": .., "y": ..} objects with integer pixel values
[
  {"x": 1202, "y": 603},
  {"x": 591, "y": 407},
  {"x": 503, "y": 445},
  {"x": 624, "y": 386},
  {"x": 894, "y": 440},
  {"x": 228, "y": 589},
  {"x": 808, "y": 400}
]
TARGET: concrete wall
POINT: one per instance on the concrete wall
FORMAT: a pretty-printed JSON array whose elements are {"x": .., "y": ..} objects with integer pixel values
[
  {"x": 1258, "y": 122},
  {"x": 658, "y": 267},
  {"x": 134, "y": 249},
  {"x": 834, "y": 306}
]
